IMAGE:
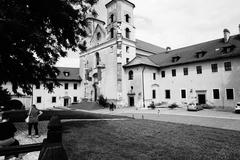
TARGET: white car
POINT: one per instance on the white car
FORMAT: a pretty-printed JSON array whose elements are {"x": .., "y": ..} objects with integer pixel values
[
  {"x": 194, "y": 107},
  {"x": 237, "y": 107}
]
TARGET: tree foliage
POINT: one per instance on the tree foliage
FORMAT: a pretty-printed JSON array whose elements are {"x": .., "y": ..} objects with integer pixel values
[
  {"x": 34, "y": 34},
  {"x": 4, "y": 96}
]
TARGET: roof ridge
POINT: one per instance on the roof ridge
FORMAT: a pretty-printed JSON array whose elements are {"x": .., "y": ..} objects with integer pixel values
[{"x": 199, "y": 44}]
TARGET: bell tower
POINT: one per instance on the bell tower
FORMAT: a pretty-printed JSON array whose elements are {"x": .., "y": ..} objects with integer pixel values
[
  {"x": 121, "y": 30},
  {"x": 120, "y": 13}
]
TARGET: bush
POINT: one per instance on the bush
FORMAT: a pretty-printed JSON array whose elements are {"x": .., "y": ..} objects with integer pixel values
[
  {"x": 103, "y": 101},
  {"x": 206, "y": 106},
  {"x": 152, "y": 106},
  {"x": 172, "y": 106},
  {"x": 13, "y": 105}
]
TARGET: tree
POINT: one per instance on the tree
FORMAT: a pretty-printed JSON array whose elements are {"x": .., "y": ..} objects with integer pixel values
[
  {"x": 4, "y": 96},
  {"x": 34, "y": 34}
]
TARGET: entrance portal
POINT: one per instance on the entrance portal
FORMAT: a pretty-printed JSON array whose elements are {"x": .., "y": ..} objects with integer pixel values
[
  {"x": 201, "y": 98},
  {"x": 66, "y": 102},
  {"x": 131, "y": 101}
]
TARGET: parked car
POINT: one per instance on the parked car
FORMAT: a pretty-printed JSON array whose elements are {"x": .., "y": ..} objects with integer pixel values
[
  {"x": 194, "y": 107},
  {"x": 237, "y": 107}
]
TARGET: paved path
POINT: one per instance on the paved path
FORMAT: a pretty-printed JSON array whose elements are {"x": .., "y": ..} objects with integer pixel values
[{"x": 206, "y": 117}]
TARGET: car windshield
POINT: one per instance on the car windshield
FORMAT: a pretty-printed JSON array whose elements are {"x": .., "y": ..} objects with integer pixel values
[{"x": 238, "y": 104}]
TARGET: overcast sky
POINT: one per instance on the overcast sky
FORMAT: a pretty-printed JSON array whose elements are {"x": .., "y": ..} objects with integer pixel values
[{"x": 180, "y": 23}]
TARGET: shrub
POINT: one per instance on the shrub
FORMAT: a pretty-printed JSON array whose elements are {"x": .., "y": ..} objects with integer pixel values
[
  {"x": 172, "y": 106},
  {"x": 206, "y": 106},
  {"x": 103, "y": 101},
  {"x": 152, "y": 106}
]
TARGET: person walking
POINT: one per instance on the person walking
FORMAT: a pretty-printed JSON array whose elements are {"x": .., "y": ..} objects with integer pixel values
[{"x": 33, "y": 115}]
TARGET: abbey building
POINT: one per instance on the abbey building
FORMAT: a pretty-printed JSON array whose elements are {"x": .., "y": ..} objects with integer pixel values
[{"x": 131, "y": 72}]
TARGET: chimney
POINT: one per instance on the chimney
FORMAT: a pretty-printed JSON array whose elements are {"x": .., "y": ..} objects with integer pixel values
[
  {"x": 168, "y": 49},
  {"x": 226, "y": 34}
]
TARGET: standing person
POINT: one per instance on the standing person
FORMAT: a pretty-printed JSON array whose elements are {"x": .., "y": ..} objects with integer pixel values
[
  {"x": 7, "y": 134},
  {"x": 33, "y": 114}
]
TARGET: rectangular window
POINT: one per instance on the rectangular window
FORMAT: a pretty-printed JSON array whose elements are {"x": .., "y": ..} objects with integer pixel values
[
  {"x": 163, "y": 74},
  {"x": 185, "y": 71},
  {"x": 183, "y": 93},
  {"x": 38, "y": 86},
  {"x": 75, "y": 86},
  {"x": 54, "y": 99},
  {"x": 174, "y": 72},
  {"x": 39, "y": 99},
  {"x": 74, "y": 99},
  {"x": 167, "y": 94},
  {"x": 216, "y": 94},
  {"x": 199, "y": 69},
  {"x": 230, "y": 95},
  {"x": 66, "y": 85},
  {"x": 214, "y": 67},
  {"x": 154, "y": 76},
  {"x": 154, "y": 94},
  {"x": 227, "y": 66},
  {"x": 127, "y": 60}
]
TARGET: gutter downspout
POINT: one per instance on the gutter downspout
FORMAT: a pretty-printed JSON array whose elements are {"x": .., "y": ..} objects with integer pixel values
[{"x": 143, "y": 86}]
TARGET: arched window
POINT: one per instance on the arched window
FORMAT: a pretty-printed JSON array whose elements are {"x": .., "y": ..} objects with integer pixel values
[
  {"x": 130, "y": 75},
  {"x": 127, "y": 18},
  {"x": 112, "y": 32},
  {"x": 127, "y": 33},
  {"x": 127, "y": 49},
  {"x": 97, "y": 59},
  {"x": 111, "y": 18},
  {"x": 99, "y": 36}
]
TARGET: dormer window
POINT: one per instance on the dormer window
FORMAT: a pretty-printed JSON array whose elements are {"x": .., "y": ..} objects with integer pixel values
[
  {"x": 227, "y": 48},
  {"x": 200, "y": 54},
  {"x": 127, "y": 18},
  {"x": 175, "y": 59},
  {"x": 99, "y": 36},
  {"x": 66, "y": 74}
]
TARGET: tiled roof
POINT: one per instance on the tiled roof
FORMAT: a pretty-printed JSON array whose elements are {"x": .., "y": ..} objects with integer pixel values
[
  {"x": 73, "y": 74},
  {"x": 124, "y": 0},
  {"x": 148, "y": 47},
  {"x": 211, "y": 50},
  {"x": 140, "y": 60}
]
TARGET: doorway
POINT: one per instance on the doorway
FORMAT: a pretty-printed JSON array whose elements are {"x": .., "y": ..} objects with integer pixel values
[
  {"x": 201, "y": 98},
  {"x": 66, "y": 102},
  {"x": 131, "y": 101}
]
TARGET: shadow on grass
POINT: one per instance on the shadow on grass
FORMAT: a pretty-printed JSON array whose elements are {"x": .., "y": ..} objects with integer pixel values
[{"x": 20, "y": 115}]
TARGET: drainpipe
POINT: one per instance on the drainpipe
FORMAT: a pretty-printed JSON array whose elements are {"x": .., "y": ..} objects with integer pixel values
[{"x": 143, "y": 87}]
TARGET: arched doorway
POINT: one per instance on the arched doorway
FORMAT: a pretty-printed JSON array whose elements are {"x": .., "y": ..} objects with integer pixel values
[{"x": 66, "y": 101}]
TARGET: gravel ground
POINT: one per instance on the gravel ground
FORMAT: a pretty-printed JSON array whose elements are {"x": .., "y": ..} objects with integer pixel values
[{"x": 21, "y": 136}]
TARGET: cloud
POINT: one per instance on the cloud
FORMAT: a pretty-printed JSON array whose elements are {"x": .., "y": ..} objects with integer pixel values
[{"x": 180, "y": 23}]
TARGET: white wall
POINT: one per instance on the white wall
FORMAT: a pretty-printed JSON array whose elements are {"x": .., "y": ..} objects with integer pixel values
[{"x": 59, "y": 93}]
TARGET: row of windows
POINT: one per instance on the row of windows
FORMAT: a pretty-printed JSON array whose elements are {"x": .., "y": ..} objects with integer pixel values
[
  {"x": 127, "y": 18},
  {"x": 54, "y": 99},
  {"x": 216, "y": 94},
  {"x": 65, "y": 86},
  {"x": 127, "y": 33},
  {"x": 214, "y": 68}
]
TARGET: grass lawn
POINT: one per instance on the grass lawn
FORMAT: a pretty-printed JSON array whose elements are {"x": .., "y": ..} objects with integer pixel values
[
  {"x": 86, "y": 106},
  {"x": 145, "y": 139}
]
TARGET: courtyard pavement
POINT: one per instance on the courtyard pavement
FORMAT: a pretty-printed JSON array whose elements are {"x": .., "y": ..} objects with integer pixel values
[{"x": 206, "y": 117}]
